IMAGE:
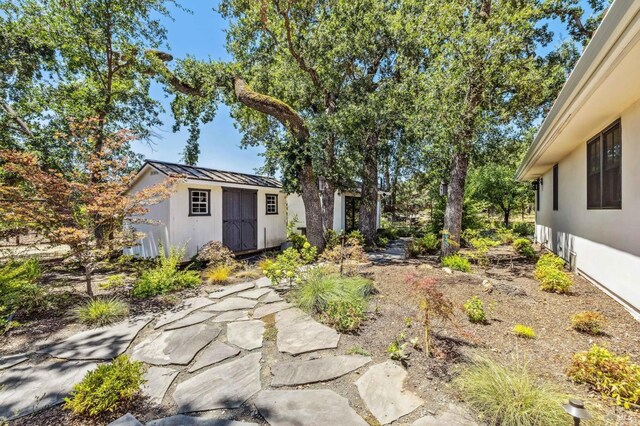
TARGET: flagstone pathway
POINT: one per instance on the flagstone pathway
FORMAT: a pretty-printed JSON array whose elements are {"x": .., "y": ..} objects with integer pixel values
[{"x": 208, "y": 357}]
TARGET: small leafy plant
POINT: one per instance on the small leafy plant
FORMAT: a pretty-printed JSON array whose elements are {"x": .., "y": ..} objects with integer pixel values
[
  {"x": 396, "y": 350},
  {"x": 165, "y": 276},
  {"x": 344, "y": 315},
  {"x": 457, "y": 263},
  {"x": 550, "y": 260},
  {"x": 549, "y": 272},
  {"x": 523, "y": 229},
  {"x": 588, "y": 322},
  {"x": 609, "y": 374},
  {"x": 428, "y": 244},
  {"x": 475, "y": 310},
  {"x": 358, "y": 350},
  {"x": 106, "y": 388},
  {"x": 99, "y": 312},
  {"x": 113, "y": 281},
  {"x": 524, "y": 247},
  {"x": 524, "y": 331}
]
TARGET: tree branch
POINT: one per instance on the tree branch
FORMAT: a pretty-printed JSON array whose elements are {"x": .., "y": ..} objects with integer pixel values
[{"x": 22, "y": 126}]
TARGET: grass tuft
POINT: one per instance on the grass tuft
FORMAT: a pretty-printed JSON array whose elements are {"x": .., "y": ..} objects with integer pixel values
[
  {"x": 99, "y": 312},
  {"x": 524, "y": 331}
]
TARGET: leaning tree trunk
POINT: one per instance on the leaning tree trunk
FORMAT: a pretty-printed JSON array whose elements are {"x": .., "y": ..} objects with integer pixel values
[
  {"x": 312, "y": 206},
  {"x": 455, "y": 204},
  {"x": 369, "y": 190}
]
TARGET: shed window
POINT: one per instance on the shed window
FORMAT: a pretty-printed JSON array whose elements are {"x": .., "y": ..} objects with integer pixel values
[
  {"x": 272, "y": 204},
  {"x": 555, "y": 187},
  {"x": 604, "y": 169},
  {"x": 199, "y": 202}
]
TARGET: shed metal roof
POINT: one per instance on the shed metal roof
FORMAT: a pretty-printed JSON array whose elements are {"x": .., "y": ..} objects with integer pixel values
[{"x": 212, "y": 175}]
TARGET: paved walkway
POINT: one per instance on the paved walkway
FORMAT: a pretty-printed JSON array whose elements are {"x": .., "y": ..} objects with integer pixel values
[
  {"x": 394, "y": 252},
  {"x": 207, "y": 357}
]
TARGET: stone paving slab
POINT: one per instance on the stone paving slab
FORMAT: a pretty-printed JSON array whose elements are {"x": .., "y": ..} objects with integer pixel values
[
  {"x": 245, "y": 334},
  {"x": 317, "y": 407},
  {"x": 299, "y": 333},
  {"x": 232, "y": 304},
  {"x": 271, "y": 297},
  {"x": 103, "y": 343},
  {"x": 224, "y": 386},
  {"x": 191, "y": 319},
  {"x": 452, "y": 416},
  {"x": 126, "y": 420},
  {"x": 187, "y": 306},
  {"x": 231, "y": 289},
  {"x": 215, "y": 352},
  {"x": 256, "y": 293},
  {"x": 271, "y": 308},
  {"x": 11, "y": 360},
  {"x": 292, "y": 373},
  {"x": 175, "y": 346},
  {"x": 232, "y": 316},
  {"x": 31, "y": 387},
  {"x": 158, "y": 381},
  {"x": 263, "y": 282},
  {"x": 381, "y": 390},
  {"x": 182, "y": 420}
]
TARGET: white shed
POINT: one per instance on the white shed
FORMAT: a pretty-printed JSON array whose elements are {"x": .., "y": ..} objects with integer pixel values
[{"x": 246, "y": 212}]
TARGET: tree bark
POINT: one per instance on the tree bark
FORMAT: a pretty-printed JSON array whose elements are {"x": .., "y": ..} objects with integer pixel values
[
  {"x": 507, "y": 213},
  {"x": 327, "y": 197},
  {"x": 87, "y": 277},
  {"x": 455, "y": 204},
  {"x": 369, "y": 189},
  {"x": 312, "y": 206}
]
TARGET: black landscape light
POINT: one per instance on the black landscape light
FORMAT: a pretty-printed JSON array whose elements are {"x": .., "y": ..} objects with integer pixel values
[{"x": 576, "y": 409}]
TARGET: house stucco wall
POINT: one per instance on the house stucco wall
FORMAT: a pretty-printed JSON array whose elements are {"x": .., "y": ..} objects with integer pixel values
[{"x": 605, "y": 243}]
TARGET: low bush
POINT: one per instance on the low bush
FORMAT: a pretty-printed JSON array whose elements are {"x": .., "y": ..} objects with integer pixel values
[
  {"x": 428, "y": 244},
  {"x": 588, "y": 322},
  {"x": 550, "y": 260},
  {"x": 99, "y": 312},
  {"x": 504, "y": 235},
  {"x": 344, "y": 314},
  {"x": 481, "y": 247},
  {"x": 217, "y": 274},
  {"x": 504, "y": 395},
  {"x": 524, "y": 331},
  {"x": 553, "y": 280},
  {"x": 523, "y": 229},
  {"x": 457, "y": 263},
  {"x": 165, "y": 276},
  {"x": 351, "y": 251},
  {"x": 113, "y": 281},
  {"x": 287, "y": 265},
  {"x": 106, "y": 388},
  {"x": 524, "y": 247},
  {"x": 390, "y": 233},
  {"x": 214, "y": 254},
  {"x": 609, "y": 374},
  {"x": 19, "y": 289},
  {"x": 475, "y": 310}
]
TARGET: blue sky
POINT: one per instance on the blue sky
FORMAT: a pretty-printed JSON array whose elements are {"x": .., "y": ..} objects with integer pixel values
[{"x": 202, "y": 34}]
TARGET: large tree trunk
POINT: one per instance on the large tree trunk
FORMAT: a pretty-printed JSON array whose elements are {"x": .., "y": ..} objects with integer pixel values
[
  {"x": 327, "y": 197},
  {"x": 455, "y": 204},
  {"x": 507, "y": 213},
  {"x": 312, "y": 206},
  {"x": 369, "y": 190}
]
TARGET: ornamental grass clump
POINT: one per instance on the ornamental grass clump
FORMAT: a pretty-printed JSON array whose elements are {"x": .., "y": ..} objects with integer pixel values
[
  {"x": 217, "y": 274},
  {"x": 99, "y": 312},
  {"x": 511, "y": 396},
  {"x": 588, "y": 322},
  {"x": 609, "y": 374},
  {"x": 107, "y": 388},
  {"x": 549, "y": 272}
]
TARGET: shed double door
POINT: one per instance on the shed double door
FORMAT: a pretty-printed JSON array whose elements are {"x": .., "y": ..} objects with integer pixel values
[{"x": 240, "y": 219}]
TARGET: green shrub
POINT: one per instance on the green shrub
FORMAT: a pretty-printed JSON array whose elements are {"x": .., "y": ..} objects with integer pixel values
[
  {"x": 428, "y": 244},
  {"x": 524, "y": 229},
  {"x": 106, "y": 388},
  {"x": 588, "y": 322},
  {"x": 101, "y": 312},
  {"x": 19, "y": 290},
  {"x": 113, "y": 281},
  {"x": 457, "y": 263},
  {"x": 165, "y": 276},
  {"x": 286, "y": 266},
  {"x": 524, "y": 331},
  {"x": 553, "y": 280},
  {"x": 481, "y": 249},
  {"x": 550, "y": 260},
  {"x": 396, "y": 350},
  {"x": 524, "y": 247},
  {"x": 610, "y": 375},
  {"x": 510, "y": 396},
  {"x": 345, "y": 315},
  {"x": 504, "y": 235},
  {"x": 474, "y": 308},
  {"x": 390, "y": 233}
]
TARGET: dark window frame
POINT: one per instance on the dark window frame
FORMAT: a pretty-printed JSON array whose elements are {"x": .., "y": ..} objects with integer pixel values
[
  {"x": 555, "y": 187},
  {"x": 208, "y": 192},
  {"x": 538, "y": 195},
  {"x": 599, "y": 142},
  {"x": 266, "y": 205}
]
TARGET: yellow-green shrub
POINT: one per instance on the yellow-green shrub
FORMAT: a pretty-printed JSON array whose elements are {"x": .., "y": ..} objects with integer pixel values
[
  {"x": 107, "y": 387},
  {"x": 524, "y": 331},
  {"x": 524, "y": 247},
  {"x": 550, "y": 274},
  {"x": 611, "y": 375},
  {"x": 588, "y": 322},
  {"x": 165, "y": 276},
  {"x": 550, "y": 260},
  {"x": 474, "y": 308},
  {"x": 457, "y": 263}
]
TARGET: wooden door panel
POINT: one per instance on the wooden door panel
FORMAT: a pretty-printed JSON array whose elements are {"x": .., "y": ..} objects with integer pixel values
[{"x": 240, "y": 219}]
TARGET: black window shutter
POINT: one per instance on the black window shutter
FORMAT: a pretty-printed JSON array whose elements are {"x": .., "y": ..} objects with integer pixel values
[{"x": 555, "y": 187}]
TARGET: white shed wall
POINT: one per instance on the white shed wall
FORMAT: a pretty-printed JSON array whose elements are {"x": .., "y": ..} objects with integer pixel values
[{"x": 606, "y": 243}]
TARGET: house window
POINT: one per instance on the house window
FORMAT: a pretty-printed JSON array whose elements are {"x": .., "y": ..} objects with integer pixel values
[
  {"x": 604, "y": 169},
  {"x": 555, "y": 187},
  {"x": 352, "y": 213},
  {"x": 272, "y": 204},
  {"x": 199, "y": 202}
]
